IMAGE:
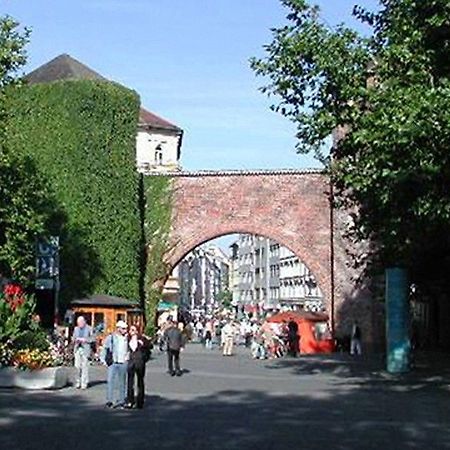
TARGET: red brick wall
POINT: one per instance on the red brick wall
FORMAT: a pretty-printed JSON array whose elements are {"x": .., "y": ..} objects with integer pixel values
[{"x": 290, "y": 208}]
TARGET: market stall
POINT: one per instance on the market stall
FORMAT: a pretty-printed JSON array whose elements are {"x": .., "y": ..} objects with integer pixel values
[{"x": 313, "y": 330}]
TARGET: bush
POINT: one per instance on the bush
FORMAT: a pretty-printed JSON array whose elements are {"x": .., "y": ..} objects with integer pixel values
[{"x": 18, "y": 325}]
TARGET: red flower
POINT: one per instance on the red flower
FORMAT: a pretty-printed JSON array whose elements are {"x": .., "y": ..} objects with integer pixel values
[
  {"x": 13, "y": 290},
  {"x": 14, "y": 296}
]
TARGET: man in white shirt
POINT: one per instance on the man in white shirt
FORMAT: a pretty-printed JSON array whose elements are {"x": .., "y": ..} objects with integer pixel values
[
  {"x": 115, "y": 356},
  {"x": 82, "y": 339},
  {"x": 228, "y": 333}
]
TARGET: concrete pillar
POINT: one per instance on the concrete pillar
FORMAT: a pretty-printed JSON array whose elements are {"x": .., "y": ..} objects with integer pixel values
[{"x": 397, "y": 321}]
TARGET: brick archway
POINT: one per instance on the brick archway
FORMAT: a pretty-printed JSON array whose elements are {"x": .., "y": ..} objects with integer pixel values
[{"x": 291, "y": 207}]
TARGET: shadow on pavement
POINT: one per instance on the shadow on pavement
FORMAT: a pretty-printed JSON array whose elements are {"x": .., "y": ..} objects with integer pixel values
[
  {"x": 431, "y": 371},
  {"x": 335, "y": 419}
]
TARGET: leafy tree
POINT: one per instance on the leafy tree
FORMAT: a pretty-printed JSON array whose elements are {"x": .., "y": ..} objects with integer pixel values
[
  {"x": 387, "y": 98},
  {"x": 23, "y": 207}
]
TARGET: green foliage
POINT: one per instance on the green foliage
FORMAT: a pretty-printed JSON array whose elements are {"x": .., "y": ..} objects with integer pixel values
[
  {"x": 24, "y": 208},
  {"x": 225, "y": 298},
  {"x": 80, "y": 136},
  {"x": 388, "y": 97},
  {"x": 18, "y": 329},
  {"x": 315, "y": 71},
  {"x": 157, "y": 222},
  {"x": 12, "y": 50}
]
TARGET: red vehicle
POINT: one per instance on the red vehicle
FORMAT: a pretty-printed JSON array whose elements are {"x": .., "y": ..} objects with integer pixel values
[{"x": 313, "y": 330}]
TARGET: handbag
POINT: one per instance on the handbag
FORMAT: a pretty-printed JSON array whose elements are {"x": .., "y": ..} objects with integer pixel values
[{"x": 109, "y": 353}]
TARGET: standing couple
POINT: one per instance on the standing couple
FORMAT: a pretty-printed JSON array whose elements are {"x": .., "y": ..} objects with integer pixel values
[{"x": 125, "y": 354}]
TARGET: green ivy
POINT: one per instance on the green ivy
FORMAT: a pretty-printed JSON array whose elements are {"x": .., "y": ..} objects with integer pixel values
[
  {"x": 81, "y": 137},
  {"x": 158, "y": 214}
]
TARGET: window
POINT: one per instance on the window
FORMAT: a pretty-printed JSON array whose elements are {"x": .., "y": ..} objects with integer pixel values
[
  {"x": 120, "y": 316},
  {"x": 99, "y": 322},
  {"x": 158, "y": 155}
]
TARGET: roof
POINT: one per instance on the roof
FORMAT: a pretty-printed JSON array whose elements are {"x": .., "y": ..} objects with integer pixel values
[
  {"x": 104, "y": 300},
  {"x": 147, "y": 118},
  {"x": 65, "y": 67}
]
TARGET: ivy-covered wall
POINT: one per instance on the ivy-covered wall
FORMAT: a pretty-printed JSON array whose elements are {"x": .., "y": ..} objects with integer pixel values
[
  {"x": 157, "y": 223},
  {"x": 81, "y": 136}
]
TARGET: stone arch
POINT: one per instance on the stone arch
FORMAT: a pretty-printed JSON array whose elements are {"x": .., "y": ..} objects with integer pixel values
[
  {"x": 290, "y": 207},
  {"x": 293, "y": 208},
  {"x": 195, "y": 241}
]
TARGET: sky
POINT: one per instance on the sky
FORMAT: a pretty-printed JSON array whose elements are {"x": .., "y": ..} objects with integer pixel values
[{"x": 188, "y": 60}]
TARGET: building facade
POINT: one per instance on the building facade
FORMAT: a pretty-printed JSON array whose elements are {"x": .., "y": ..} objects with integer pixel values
[
  {"x": 203, "y": 275},
  {"x": 271, "y": 276},
  {"x": 158, "y": 144}
]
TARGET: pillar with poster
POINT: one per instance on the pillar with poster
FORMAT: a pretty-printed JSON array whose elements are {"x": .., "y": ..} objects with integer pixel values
[{"x": 47, "y": 280}]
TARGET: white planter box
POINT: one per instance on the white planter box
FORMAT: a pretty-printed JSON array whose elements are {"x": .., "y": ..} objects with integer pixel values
[
  {"x": 48, "y": 378},
  {"x": 7, "y": 377}
]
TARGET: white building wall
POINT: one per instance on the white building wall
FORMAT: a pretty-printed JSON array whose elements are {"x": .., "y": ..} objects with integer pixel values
[{"x": 157, "y": 150}]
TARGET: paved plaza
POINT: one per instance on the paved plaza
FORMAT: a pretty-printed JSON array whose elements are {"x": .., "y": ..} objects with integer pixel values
[{"x": 237, "y": 403}]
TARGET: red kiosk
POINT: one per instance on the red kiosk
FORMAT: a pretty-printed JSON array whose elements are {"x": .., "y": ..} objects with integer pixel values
[{"x": 315, "y": 336}]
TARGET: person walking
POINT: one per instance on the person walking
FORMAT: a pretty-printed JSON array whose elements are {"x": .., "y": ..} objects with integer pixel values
[
  {"x": 174, "y": 340},
  {"x": 82, "y": 339},
  {"x": 208, "y": 334},
  {"x": 139, "y": 354},
  {"x": 293, "y": 338},
  {"x": 228, "y": 333},
  {"x": 355, "y": 339},
  {"x": 115, "y": 355}
]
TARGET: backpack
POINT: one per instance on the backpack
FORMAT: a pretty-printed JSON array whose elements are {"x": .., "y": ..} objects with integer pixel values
[{"x": 109, "y": 359}]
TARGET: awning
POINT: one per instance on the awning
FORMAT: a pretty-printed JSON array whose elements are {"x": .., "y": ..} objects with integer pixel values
[{"x": 166, "y": 306}]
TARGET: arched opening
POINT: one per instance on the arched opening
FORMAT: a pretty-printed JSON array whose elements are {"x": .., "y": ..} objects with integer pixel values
[{"x": 244, "y": 272}]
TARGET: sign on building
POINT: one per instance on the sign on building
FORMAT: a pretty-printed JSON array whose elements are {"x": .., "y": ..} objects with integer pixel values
[{"x": 47, "y": 262}]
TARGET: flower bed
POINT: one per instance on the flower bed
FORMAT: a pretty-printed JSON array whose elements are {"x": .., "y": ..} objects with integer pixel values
[{"x": 28, "y": 359}]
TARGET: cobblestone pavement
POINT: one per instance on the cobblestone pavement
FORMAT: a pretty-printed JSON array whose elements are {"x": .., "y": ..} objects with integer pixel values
[{"x": 236, "y": 403}]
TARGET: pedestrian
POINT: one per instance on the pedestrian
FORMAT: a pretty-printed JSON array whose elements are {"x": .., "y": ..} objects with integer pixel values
[
  {"x": 355, "y": 339},
  {"x": 199, "y": 330},
  {"x": 175, "y": 342},
  {"x": 115, "y": 355},
  {"x": 139, "y": 353},
  {"x": 208, "y": 335},
  {"x": 293, "y": 338},
  {"x": 82, "y": 339},
  {"x": 228, "y": 333}
]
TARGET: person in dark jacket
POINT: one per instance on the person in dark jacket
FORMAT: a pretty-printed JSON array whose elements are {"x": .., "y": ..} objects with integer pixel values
[
  {"x": 139, "y": 353},
  {"x": 173, "y": 337},
  {"x": 293, "y": 338}
]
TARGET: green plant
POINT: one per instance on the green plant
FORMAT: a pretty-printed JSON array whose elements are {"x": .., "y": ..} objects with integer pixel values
[
  {"x": 18, "y": 326},
  {"x": 80, "y": 135},
  {"x": 23, "y": 206},
  {"x": 225, "y": 298},
  {"x": 157, "y": 221}
]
